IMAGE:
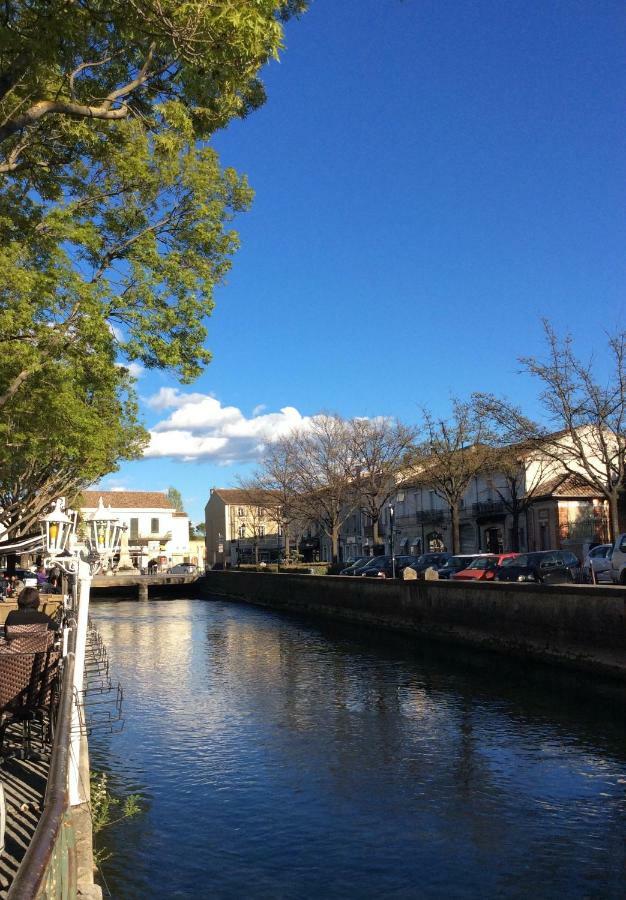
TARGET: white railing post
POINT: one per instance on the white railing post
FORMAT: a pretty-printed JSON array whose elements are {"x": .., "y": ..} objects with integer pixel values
[{"x": 78, "y": 792}]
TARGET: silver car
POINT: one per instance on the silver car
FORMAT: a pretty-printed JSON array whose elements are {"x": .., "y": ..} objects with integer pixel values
[{"x": 598, "y": 560}]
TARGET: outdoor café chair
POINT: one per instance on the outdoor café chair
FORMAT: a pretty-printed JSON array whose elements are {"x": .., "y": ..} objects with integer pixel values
[{"x": 28, "y": 674}]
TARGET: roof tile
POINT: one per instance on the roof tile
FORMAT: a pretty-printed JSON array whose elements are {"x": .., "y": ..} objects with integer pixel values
[{"x": 126, "y": 500}]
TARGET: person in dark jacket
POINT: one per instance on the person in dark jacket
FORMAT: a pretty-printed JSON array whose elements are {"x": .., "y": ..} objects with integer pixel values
[{"x": 28, "y": 612}]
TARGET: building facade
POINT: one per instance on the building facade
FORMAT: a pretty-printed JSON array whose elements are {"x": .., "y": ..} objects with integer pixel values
[
  {"x": 241, "y": 527},
  {"x": 500, "y": 513},
  {"x": 158, "y": 535}
]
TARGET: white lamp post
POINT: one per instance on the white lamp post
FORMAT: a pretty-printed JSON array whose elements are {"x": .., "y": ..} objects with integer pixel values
[{"x": 103, "y": 540}]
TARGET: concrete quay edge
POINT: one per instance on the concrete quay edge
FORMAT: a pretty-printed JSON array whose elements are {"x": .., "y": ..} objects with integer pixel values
[{"x": 576, "y": 627}]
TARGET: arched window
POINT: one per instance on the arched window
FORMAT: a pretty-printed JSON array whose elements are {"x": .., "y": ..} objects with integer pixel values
[{"x": 242, "y": 531}]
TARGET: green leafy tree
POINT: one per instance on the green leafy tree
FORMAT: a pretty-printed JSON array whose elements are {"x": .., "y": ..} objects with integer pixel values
[
  {"x": 175, "y": 498},
  {"x": 114, "y": 211},
  {"x": 115, "y": 214},
  {"x": 72, "y": 426}
]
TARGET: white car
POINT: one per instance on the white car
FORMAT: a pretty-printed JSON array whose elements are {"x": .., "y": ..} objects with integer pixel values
[
  {"x": 183, "y": 569},
  {"x": 600, "y": 560}
]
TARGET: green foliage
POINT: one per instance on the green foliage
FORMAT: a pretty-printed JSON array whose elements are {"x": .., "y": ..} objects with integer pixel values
[
  {"x": 115, "y": 216},
  {"x": 175, "y": 498},
  {"x": 74, "y": 423},
  {"x": 107, "y": 810},
  {"x": 113, "y": 209}
]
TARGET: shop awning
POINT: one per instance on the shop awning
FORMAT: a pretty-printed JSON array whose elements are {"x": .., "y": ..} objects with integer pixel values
[{"x": 22, "y": 544}]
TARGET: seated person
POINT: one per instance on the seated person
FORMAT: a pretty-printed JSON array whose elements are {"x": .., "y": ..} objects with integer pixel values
[
  {"x": 28, "y": 613},
  {"x": 50, "y": 587}
]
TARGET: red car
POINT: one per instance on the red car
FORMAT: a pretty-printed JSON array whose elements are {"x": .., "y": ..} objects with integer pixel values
[{"x": 483, "y": 568}]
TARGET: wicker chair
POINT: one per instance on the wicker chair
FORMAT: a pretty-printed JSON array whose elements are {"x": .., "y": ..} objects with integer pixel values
[
  {"x": 28, "y": 675},
  {"x": 20, "y": 631}
]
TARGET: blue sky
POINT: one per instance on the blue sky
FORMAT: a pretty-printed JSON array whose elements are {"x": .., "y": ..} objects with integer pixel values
[{"x": 432, "y": 177}]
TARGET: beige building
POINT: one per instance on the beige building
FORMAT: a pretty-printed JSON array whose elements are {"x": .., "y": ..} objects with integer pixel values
[
  {"x": 553, "y": 510},
  {"x": 241, "y": 527}
]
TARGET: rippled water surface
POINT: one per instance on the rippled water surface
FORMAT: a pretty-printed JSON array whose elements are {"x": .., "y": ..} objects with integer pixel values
[{"x": 282, "y": 758}]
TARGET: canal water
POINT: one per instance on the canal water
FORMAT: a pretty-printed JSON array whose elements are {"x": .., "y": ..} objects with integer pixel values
[{"x": 287, "y": 758}]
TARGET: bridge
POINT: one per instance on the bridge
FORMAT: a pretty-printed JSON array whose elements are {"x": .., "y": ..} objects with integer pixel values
[{"x": 128, "y": 582}]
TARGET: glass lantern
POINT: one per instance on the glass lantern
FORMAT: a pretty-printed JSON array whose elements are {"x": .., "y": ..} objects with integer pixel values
[
  {"x": 104, "y": 531},
  {"x": 56, "y": 528}
]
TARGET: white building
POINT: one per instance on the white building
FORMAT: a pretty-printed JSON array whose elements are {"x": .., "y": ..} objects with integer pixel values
[{"x": 158, "y": 535}]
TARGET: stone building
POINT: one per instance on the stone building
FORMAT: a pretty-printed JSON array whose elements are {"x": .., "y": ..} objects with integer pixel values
[{"x": 241, "y": 526}]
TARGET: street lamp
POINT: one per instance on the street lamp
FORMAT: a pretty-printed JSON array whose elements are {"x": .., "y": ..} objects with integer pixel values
[
  {"x": 104, "y": 533},
  {"x": 56, "y": 529},
  {"x": 393, "y": 557}
]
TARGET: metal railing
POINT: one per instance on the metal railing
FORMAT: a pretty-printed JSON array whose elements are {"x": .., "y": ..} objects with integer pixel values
[
  {"x": 488, "y": 507},
  {"x": 48, "y": 868},
  {"x": 428, "y": 516},
  {"x": 591, "y": 529}
]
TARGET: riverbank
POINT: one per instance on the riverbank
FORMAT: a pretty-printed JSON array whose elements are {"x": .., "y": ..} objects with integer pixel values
[{"x": 575, "y": 626}]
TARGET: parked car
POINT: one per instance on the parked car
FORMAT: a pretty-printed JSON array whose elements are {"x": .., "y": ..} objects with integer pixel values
[
  {"x": 484, "y": 567},
  {"x": 403, "y": 562},
  {"x": 353, "y": 568},
  {"x": 600, "y": 559},
  {"x": 183, "y": 569},
  {"x": 436, "y": 560},
  {"x": 456, "y": 564},
  {"x": 390, "y": 568},
  {"x": 545, "y": 567},
  {"x": 378, "y": 567},
  {"x": 618, "y": 559}
]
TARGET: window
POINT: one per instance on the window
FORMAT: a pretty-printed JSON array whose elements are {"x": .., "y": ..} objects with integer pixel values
[
  {"x": 240, "y": 511},
  {"x": 134, "y": 529},
  {"x": 261, "y": 530},
  {"x": 241, "y": 531},
  {"x": 154, "y": 526}
]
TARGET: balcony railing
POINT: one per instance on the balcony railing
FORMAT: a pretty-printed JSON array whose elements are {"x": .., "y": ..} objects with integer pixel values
[
  {"x": 488, "y": 507},
  {"x": 431, "y": 516}
]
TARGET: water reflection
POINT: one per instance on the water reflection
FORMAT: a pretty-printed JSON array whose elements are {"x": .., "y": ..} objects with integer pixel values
[{"x": 283, "y": 758}]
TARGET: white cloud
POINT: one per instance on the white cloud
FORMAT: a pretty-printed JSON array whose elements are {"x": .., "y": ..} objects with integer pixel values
[
  {"x": 109, "y": 484},
  {"x": 135, "y": 369},
  {"x": 200, "y": 428},
  {"x": 259, "y": 409}
]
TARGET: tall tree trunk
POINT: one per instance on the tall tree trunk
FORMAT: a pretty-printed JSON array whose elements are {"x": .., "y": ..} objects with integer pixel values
[
  {"x": 456, "y": 528},
  {"x": 515, "y": 541},
  {"x": 375, "y": 532},
  {"x": 613, "y": 517},
  {"x": 334, "y": 538}
]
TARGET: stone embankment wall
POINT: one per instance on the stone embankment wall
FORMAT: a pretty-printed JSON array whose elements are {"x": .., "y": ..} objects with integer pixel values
[{"x": 582, "y": 627}]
